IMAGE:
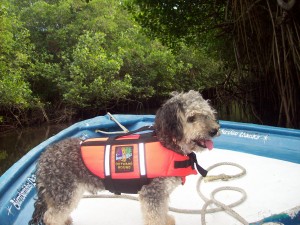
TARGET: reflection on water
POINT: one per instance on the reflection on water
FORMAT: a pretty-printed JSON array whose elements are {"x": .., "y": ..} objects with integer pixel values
[
  {"x": 17, "y": 143},
  {"x": 238, "y": 112}
]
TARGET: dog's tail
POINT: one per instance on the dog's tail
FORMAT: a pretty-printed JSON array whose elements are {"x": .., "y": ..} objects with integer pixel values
[{"x": 40, "y": 208}]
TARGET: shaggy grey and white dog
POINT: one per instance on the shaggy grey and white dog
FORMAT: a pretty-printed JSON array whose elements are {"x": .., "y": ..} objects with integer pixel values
[{"x": 185, "y": 123}]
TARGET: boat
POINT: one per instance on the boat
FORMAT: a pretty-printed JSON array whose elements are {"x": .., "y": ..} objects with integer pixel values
[{"x": 257, "y": 179}]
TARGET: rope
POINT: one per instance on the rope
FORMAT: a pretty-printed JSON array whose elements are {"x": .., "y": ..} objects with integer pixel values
[
  {"x": 204, "y": 210},
  {"x": 222, "y": 207}
]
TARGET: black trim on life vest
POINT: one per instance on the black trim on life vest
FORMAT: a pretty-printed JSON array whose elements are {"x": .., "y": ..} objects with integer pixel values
[
  {"x": 112, "y": 141},
  {"x": 193, "y": 158},
  {"x": 109, "y": 185},
  {"x": 192, "y": 161},
  {"x": 129, "y": 186},
  {"x": 184, "y": 164},
  {"x": 144, "y": 128}
]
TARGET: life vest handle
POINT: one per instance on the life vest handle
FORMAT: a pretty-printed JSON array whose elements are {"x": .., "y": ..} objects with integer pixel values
[{"x": 144, "y": 128}]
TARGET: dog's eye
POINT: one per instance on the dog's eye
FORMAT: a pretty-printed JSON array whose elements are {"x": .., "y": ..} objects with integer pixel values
[
  {"x": 205, "y": 117},
  {"x": 191, "y": 119}
]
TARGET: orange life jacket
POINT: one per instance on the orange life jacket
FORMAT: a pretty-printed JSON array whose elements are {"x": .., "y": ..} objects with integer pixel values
[{"x": 127, "y": 163}]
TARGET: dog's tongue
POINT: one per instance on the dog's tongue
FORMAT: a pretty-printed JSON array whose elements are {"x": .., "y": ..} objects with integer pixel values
[{"x": 209, "y": 144}]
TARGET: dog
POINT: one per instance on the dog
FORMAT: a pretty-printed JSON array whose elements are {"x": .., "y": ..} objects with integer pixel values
[{"x": 185, "y": 123}]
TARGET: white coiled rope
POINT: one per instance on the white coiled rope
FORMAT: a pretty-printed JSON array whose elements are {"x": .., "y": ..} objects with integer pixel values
[{"x": 204, "y": 210}]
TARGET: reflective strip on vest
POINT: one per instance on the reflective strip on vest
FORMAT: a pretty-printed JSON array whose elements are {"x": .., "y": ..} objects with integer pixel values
[
  {"x": 142, "y": 159},
  {"x": 107, "y": 161}
]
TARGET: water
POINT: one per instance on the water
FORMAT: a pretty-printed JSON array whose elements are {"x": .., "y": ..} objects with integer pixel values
[
  {"x": 15, "y": 144},
  {"x": 235, "y": 111}
]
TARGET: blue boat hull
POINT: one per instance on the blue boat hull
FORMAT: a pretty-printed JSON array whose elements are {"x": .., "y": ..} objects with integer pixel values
[{"x": 17, "y": 185}]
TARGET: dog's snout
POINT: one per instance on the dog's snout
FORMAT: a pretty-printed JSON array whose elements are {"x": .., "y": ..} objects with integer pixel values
[{"x": 213, "y": 132}]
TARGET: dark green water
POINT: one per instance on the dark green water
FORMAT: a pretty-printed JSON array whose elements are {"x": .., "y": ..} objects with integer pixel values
[{"x": 16, "y": 143}]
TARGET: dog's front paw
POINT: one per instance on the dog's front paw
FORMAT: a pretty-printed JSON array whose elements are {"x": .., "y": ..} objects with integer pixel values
[
  {"x": 69, "y": 221},
  {"x": 170, "y": 220}
]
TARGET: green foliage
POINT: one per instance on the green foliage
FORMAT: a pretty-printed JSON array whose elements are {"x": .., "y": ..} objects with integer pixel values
[
  {"x": 15, "y": 50},
  {"x": 89, "y": 55},
  {"x": 3, "y": 155},
  {"x": 196, "y": 70},
  {"x": 176, "y": 21},
  {"x": 151, "y": 65},
  {"x": 254, "y": 39},
  {"x": 94, "y": 73}
]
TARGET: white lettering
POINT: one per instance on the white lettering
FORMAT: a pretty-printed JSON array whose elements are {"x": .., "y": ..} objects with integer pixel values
[
  {"x": 248, "y": 135},
  {"x": 32, "y": 179},
  {"x": 23, "y": 192},
  {"x": 243, "y": 134},
  {"x": 229, "y": 132}
]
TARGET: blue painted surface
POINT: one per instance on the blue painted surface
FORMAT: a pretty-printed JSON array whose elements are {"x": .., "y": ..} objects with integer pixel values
[
  {"x": 272, "y": 142},
  {"x": 17, "y": 185},
  {"x": 291, "y": 217}
]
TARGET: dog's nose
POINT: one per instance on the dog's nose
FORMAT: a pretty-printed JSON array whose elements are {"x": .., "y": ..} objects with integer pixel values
[{"x": 213, "y": 132}]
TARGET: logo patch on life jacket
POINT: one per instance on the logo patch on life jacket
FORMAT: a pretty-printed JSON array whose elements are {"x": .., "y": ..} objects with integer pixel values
[{"x": 124, "y": 159}]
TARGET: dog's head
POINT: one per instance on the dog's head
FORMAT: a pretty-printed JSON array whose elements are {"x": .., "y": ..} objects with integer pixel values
[{"x": 186, "y": 123}]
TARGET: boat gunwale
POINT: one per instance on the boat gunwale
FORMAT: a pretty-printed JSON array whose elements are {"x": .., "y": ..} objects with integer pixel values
[
  {"x": 13, "y": 175},
  {"x": 16, "y": 170}
]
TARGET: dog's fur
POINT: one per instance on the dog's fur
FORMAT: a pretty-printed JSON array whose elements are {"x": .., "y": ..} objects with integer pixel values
[{"x": 181, "y": 124}]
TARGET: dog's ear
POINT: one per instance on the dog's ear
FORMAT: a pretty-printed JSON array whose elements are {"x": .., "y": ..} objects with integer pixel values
[
  {"x": 168, "y": 124},
  {"x": 174, "y": 93}
]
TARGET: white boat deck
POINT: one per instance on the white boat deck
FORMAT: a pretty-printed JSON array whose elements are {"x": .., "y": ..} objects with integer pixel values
[{"x": 272, "y": 186}]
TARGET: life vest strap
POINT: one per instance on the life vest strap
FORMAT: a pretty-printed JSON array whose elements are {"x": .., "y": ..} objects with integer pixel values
[
  {"x": 184, "y": 164},
  {"x": 130, "y": 186},
  {"x": 145, "y": 138},
  {"x": 193, "y": 159},
  {"x": 144, "y": 128}
]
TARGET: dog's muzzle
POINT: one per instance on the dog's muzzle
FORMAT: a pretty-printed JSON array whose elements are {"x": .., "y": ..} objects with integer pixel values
[
  {"x": 208, "y": 143},
  {"x": 205, "y": 143},
  {"x": 213, "y": 132}
]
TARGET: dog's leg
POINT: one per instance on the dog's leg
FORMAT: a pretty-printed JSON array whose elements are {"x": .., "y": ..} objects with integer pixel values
[
  {"x": 54, "y": 216},
  {"x": 154, "y": 200},
  {"x": 59, "y": 213}
]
